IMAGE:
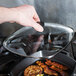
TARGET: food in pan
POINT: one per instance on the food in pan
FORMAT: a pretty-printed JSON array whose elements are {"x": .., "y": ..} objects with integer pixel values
[
  {"x": 33, "y": 70},
  {"x": 49, "y": 62},
  {"x": 46, "y": 68},
  {"x": 40, "y": 75},
  {"x": 59, "y": 70}
]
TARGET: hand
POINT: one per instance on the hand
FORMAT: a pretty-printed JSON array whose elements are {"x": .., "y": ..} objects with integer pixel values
[{"x": 27, "y": 16}]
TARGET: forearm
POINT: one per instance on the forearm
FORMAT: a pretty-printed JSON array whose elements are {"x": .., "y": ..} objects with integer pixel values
[{"x": 7, "y": 14}]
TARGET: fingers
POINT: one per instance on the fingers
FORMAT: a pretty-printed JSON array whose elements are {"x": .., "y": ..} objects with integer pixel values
[
  {"x": 37, "y": 26},
  {"x": 33, "y": 24},
  {"x": 28, "y": 14},
  {"x": 36, "y": 17},
  {"x": 12, "y": 21}
]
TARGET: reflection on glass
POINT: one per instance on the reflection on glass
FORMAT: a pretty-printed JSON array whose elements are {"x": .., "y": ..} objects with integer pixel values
[
  {"x": 27, "y": 41},
  {"x": 33, "y": 43}
]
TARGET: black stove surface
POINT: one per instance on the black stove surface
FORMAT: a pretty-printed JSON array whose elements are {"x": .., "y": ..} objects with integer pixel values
[{"x": 8, "y": 60}]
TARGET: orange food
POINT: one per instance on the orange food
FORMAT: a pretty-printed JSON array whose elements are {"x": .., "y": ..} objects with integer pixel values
[
  {"x": 46, "y": 69},
  {"x": 59, "y": 70},
  {"x": 49, "y": 62},
  {"x": 33, "y": 70}
]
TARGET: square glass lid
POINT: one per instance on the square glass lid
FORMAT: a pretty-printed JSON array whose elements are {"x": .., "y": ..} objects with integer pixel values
[{"x": 28, "y": 42}]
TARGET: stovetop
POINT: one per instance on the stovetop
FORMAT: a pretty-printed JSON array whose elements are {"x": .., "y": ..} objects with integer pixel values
[{"x": 8, "y": 60}]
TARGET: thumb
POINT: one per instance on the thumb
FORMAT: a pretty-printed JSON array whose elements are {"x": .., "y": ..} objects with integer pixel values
[{"x": 37, "y": 26}]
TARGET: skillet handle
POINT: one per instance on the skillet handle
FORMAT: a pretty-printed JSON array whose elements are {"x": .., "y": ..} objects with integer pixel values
[{"x": 64, "y": 52}]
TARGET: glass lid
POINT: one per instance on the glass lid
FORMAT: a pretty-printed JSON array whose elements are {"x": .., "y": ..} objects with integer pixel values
[{"x": 28, "y": 42}]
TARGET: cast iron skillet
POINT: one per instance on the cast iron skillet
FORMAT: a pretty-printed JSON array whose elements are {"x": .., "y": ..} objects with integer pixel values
[{"x": 60, "y": 58}]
